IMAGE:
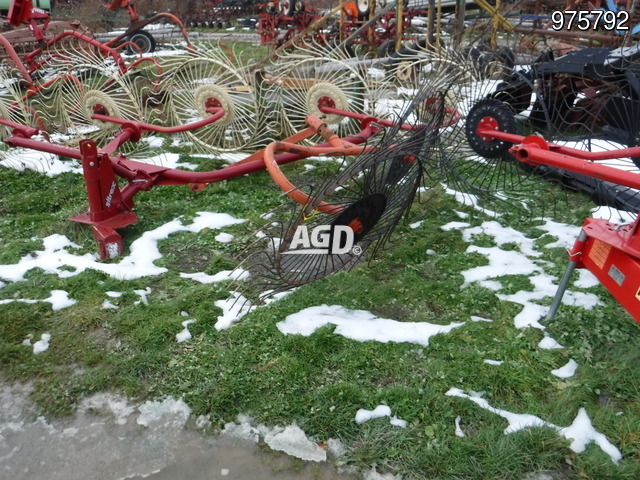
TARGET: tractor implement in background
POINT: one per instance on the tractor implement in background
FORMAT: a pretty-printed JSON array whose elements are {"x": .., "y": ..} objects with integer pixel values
[{"x": 610, "y": 251}]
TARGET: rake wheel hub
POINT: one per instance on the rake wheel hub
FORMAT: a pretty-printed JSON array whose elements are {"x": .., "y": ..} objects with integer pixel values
[
  {"x": 325, "y": 94},
  {"x": 207, "y": 96},
  {"x": 362, "y": 215},
  {"x": 97, "y": 101},
  {"x": 487, "y": 123}
]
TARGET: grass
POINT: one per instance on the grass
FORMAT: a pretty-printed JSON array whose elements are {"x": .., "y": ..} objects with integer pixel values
[{"x": 320, "y": 381}]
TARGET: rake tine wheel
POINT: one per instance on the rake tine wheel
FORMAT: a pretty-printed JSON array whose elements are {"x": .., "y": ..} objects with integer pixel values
[
  {"x": 366, "y": 195},
  {"x": 302, "y": 81},
  {"x": 587, "y": 99},
  {"x": 209, "y": 79}
]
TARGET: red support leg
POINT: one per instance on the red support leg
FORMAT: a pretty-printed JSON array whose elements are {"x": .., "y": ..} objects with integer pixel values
[{"x": 107, "y": 210}]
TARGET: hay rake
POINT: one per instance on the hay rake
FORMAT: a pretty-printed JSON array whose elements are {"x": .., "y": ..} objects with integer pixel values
[{"x": 368, "y": 197}]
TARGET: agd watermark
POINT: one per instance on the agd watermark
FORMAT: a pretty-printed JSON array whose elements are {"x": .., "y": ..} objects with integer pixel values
[{"x": 323, "y": 240}]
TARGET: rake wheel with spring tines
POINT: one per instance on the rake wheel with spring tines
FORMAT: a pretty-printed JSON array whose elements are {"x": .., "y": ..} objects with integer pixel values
[
  {"x": 587, "y": 99},
  {"x": 196, "y": 83},
  {"x": 367, "y": 194},
  {"x": 304, "y": 81}
]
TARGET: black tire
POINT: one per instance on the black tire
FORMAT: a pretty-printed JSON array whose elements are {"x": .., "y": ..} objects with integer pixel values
[
  {"x": 299, "y": 6},
  {"x": 363, "y": 9},
  {"x": 144, "y": 40},
  {"x": 503, "y": 117}
]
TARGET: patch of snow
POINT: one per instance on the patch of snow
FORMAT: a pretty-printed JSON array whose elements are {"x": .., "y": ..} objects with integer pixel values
[
  {"x": 185, "y": 334},
  {"x": 566, "y": 371},
  {"x": 493, "y": 362},
  {"x": 458, "y": 431},
  {"x": 42, "y": 345},
  {"x": 139, "y": 263},
  {"x": 585, "y": 279},
  {"x": 168, "y": 413},
  {"x": 58, "y": 299},
  {"x": 107, "y": 305},
  {"x": 115, "y": 405},
  {"x": 581, "y": 431},
  {"x": 223, "y": 276},
  {"x": 548, "y": 343},
  {"x": 242, "y": 430},
  {"x": 21, "y": 159},
  {"x": 224, "y": 237},
  {"x": 143, "y": 294},
  {"x": 475, "y": 318},
  {"x": 233, "y": 309},
  {"x": 566, "y": 234},
  {"x": 293, "y": 441},
  {"x": 361, "y": 325},
  {"x": 363, "y": 415}
]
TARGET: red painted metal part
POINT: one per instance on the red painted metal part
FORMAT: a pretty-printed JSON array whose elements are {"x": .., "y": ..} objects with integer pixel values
[
  {"x": 110, "y": 207},
  {"x": 610, "y": 251}
]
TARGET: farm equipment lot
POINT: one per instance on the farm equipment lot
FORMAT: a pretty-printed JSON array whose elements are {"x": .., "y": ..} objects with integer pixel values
[{"x": 432, "y": 361}]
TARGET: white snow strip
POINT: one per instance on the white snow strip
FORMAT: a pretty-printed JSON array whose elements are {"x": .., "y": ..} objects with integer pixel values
[
  {"x": 185, "y": 334},
  {"x": 224, "y": 237},
  {"x": 58, "y": 299},
  {"x": 233, "y": 309},
  {"x": 42, "y": 345},
  {"x": 293, "y": 441},
  {"x": 493, "y": 362},
  {"x": 107, "y": 305},
  {"x": 585, "y": 279},
  {"x": 567, "y": 371},
  {"x": 224, "y": 275},
  {"x": 361, "y": 325},
  {"x": 548, "y": 343},
  {"x": 580, "y": 432},
  {"x": 416, "y": 224},
  {"x": 55, "y": 257},
  {"x": 458, "y": 431},
  {"x": 363, "y": 415},
  {"x": 143, "y": 294},
  {"x": 170, "y": 413},
  {"x": 21, "y": 159},
  {"x": 523, "y": 261},
  {"x": 475, "y": 318},
  {"x": 566, "y": 234}
]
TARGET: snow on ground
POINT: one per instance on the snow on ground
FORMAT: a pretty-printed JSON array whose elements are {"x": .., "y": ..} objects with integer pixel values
[
  {"x": 58, "y": 299},
  {"x": 293, "y": 441},
  {"x": 42, "y": 345},
  {"x": 185, "y": 334},
  {"x": 21, "y": 159},
  {"x": 580, "y": 432},
  {"x": 381, "y": 411},
  {"x": 566, "y": 371},
  {"x": 523, "y": 261},
  {"x": 361, "y": 325},
  {"x": 233, "y": 309},
  {"x": 56, "y": 258},
  {"x": 222, "y": 276}
]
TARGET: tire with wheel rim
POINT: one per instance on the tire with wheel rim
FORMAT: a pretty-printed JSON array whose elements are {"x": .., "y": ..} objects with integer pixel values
[
  {"x": 143, "y": 40},
  {"x": 493, "y": 114}
]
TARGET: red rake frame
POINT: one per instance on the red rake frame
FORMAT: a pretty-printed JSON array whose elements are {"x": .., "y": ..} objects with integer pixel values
[
  {"x": 111, "y": 207},
  {"x": 610, "y": 251}
]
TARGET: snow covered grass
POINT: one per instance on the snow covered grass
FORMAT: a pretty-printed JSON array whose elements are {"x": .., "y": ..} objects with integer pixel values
[{"x": 442, "y": 332}]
